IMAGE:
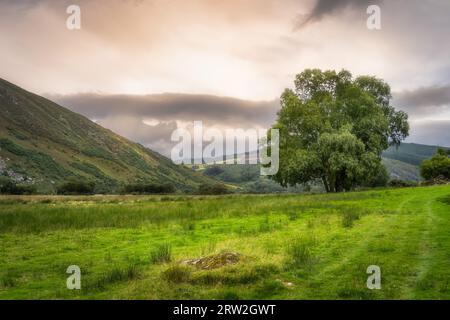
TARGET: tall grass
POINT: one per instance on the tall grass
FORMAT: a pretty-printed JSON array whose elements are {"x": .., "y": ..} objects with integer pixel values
[
  {"x": 42, "y": 214},
  {"x": 161, "y": 254},
  {"x": 116, "y": 274},
  {"x": 349, "y": 218},
  {"x": 177, "y": 274},
  {"x": 299, "y": 251}
]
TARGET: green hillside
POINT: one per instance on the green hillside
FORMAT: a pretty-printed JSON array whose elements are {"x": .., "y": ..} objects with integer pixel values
[{"x": 43, "y": 144}]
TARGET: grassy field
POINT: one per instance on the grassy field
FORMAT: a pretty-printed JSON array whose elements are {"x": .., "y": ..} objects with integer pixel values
[{"x": 290, "y": 246}]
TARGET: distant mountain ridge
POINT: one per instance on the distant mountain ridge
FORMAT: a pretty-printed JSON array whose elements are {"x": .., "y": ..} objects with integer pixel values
[
  {"x": 412, "y": 153},
  {"x": 42, "y": 143}
]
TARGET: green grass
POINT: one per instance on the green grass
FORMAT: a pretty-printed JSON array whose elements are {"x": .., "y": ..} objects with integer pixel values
[
  {"x": 162, "y": 253},
  {"x": 292, "y": 246}
]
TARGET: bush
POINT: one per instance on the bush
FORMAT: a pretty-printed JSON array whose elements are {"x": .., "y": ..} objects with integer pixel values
[
  {"x": 75, "y": 186},
  {"x": 149, "y": 188},
  {"x": 213, "y": 171},
  {"x": 401, "y": 183},
  {"x": 7, "y": 186},
  {"x": 437, "y": 166},
  {"x": 213, "y": 189}
]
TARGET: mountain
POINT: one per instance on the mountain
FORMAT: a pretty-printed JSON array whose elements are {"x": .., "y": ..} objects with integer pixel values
[
  {"x": 411, "y": 153},
  {"x": 43, "y": 144},
  {"x": 401, "y": 170}
]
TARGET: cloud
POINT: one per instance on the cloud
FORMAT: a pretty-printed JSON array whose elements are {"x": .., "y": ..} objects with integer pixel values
[
  {"x": 156, "y": 137},
  {"x": 210, "y": 109},
  {"x": 328, "y": 7},
  {"x": 431, "y": 132},
  {"x": 151, "y": 119},
  {"x": 433, "y": 101}
]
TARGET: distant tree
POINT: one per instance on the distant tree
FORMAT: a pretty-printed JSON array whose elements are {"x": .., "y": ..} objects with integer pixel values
[
  {"x": 149, "y": 188},
  {"x": 213, "y": 170},
  {"x": 437, "y": 166},
  {"x": 213, "y": 189},
  {"x": 75, "y": 186},
  {"x": 8, "y": 186},
  {"x": 402, "y": 183},
  {"x": 334, "y": 128}
]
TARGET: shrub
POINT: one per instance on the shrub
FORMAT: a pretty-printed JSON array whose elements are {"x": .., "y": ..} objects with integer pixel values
[
  {"x": 7, "y": 186},
  {"x": 149, "y": 188},
  {"x": 213, "y": 171},
  {"x": 401, "y": 183},
  {"x": 213, "y": 189},
  {"x": 74, "y": 186},
  {"x": 437, "y": 166}
]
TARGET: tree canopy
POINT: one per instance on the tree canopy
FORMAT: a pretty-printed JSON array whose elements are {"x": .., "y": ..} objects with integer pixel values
[
  {"x": 334, "y": 127},
  {"x": 437, "y": 166}
]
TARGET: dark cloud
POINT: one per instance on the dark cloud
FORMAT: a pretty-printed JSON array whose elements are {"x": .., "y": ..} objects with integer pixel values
[
  {"x": 156, "y": 137},
  {"x": 125, "y": 114},
  {"x": 212, "y": 110},
  {"x": 426, "y": 101},
  {"x": 431, "y": 132},
  {"x": 329, "y": 7}
]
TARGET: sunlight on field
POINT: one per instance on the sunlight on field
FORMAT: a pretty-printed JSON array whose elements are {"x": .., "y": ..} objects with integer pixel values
[{"x": 289, "y": 246}]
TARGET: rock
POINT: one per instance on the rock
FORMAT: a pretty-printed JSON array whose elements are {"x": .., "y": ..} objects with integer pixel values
[
  {"x": 288, "y": 285},
  {"x": 214, "y": 261},
  {"x": 439, "y": 180}
]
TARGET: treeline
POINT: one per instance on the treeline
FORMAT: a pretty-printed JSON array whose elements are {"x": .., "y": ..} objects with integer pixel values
[
  {"x": 75, "y": 187},
  {"x": 8, "y": 186},
  {"x": 149, "y": 188},
  {"x": 78, "y": 186}
]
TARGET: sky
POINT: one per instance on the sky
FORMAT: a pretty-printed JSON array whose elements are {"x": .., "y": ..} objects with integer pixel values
[{"x": 145, "y": 67}]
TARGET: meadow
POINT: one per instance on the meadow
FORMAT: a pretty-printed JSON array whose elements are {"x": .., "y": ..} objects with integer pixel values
[{"x": 286, "y": 246}]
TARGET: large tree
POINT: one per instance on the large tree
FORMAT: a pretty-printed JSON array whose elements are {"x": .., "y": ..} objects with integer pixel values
[{"x": 334, "y": 127}]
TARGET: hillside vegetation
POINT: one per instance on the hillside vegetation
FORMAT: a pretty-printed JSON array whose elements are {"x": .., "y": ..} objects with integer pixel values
[
  {"x": 43, "y": 144},
  {"x": 228, "y": 247}
]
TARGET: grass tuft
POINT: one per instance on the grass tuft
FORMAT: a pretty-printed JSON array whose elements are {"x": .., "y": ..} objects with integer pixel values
[
  {"x": 349, "y": 218},
  {"x": 161, "y": 254},
  {"x": 116, "y": 274},
  {"x": 177, "y": 274},
  {"x": 299, "y": 252}
]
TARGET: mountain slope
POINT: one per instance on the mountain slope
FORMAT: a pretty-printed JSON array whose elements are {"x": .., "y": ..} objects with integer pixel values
[
  {"x": 43, "y": 143},
  {"x": 401, "y": 170},
  {"x": 411, "y": 153}
]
